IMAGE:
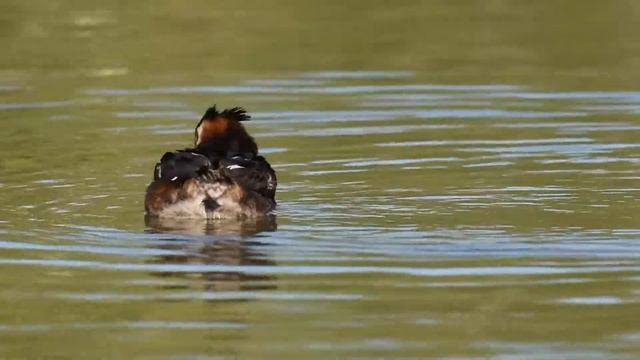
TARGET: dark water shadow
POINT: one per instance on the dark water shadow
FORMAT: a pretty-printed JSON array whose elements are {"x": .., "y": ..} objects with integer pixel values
[{"x": 233, "y": 243}]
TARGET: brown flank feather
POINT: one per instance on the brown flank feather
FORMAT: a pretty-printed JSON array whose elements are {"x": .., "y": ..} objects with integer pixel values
[{"x": 162, "y": 193}]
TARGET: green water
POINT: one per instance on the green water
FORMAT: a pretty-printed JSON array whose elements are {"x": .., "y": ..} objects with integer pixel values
[{"x": 457, "y": 179}]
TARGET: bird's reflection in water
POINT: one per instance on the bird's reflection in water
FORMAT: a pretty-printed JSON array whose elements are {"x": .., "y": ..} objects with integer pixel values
[{"x": 231, "y": 243}]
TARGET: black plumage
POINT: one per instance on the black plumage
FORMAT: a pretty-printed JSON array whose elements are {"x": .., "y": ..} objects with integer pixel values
[
  {"x": 181, "y": 165},
  {"x": 253, "y": 174},
  {"x": 236, "y": 113}
]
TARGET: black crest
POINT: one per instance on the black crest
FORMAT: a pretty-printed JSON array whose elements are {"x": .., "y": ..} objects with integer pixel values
[
  {"x": 211, "y": 113},
  {"x": 236, "y": 113}
]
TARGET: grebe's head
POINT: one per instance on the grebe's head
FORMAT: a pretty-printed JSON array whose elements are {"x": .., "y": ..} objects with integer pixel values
[
  {"x": 222, "y": 133},
  {"x": 215, "y": 124}
]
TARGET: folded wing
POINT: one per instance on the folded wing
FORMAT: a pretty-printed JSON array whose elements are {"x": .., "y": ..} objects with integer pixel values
[
  {"x": 250, "y": 173},
  {"x": 181, "y": 166}
]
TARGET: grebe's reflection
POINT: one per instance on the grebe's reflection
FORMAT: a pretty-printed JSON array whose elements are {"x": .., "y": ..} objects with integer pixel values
[{"x": 232, "y": 243}]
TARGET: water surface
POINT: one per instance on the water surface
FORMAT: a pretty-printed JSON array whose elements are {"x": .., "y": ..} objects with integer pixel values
[{"x": 456, "y": 180}]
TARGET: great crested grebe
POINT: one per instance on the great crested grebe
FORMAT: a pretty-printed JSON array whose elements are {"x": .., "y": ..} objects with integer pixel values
[{"x": 221, "y": 177}]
